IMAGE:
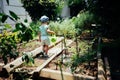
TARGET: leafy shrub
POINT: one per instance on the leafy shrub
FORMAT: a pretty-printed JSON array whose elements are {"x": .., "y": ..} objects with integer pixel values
[
  {"x": 8, "y": 45},
  {"x": 86, "y": 54},
  {"x": 84, "y": 19},
  {"x": 28, "y": 59},
  {"x": 66, "y": 28},
  {"x": 35, "y": 28},
  {"x": 9, "y": 40}
]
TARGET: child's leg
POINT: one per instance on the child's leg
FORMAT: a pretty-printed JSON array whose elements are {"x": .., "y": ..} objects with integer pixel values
[{"x": 45, "y": 49}]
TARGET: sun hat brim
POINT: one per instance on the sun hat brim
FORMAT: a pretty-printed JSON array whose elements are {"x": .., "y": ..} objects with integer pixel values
[{"x": 44, "y": 19}]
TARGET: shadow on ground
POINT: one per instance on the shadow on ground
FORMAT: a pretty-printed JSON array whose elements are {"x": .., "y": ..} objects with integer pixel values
[{"x": 112, "y": 52}]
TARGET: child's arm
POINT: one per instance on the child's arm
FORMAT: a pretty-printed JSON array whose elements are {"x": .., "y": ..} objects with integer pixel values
[{"x": 51, "y": 32}]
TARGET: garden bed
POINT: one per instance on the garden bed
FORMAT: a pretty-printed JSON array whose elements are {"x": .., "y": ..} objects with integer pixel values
[{"x": 85, "y": 70}]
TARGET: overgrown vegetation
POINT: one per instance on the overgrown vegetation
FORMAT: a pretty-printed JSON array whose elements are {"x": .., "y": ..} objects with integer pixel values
[
  {"x": 12, "y": 36},
  {"x": 85, "y": 54},
  {"x": 8, "y": 46},
  {"x": 81, "y": 19},
  {"x": 69, "y": 27},
  {"x": 37, "y": 8},
  {"x": 28, "y": 60}
]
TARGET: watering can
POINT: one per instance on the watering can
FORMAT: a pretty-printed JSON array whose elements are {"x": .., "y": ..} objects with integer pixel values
[{"x": 53, "y": 39}]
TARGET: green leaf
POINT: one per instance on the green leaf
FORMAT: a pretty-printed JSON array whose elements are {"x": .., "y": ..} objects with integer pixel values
[
  {"x": 14, "y": 15},
  {"x": 8, "y": 26},
  {"x": 4, "y": 18},
  {"x": 1, "y": 14},
  {"x": 23, "y": 58},
  {"x": 5, "y": 59},
  {"x": 17, "y": 26},
  {"x": 7, "y": 2},
  {"x": 31, "y": 60},
  {"x": 11, "y": 18}
]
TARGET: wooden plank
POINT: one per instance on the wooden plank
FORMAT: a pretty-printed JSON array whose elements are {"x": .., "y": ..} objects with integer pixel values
[
  {"x": 60, "y": 45},
  {"x": 1, "y": 64},
  {"x": 107, "y": 67},
  {"x": 58, "y": 51},
  {"x": 17, "y": 62},
  {"x": 101, "y": 72},
  {"x": 39, "y": 68},
  {"x": 54, "y": 74}
]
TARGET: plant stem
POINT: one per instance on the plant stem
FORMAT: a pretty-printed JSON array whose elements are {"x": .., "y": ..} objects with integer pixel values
[
  {"x": 60, "y": 65},
  {"x": 77, "y": 51}
]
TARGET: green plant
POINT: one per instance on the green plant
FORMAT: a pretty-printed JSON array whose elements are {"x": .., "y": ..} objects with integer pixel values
[
  {"x": 85, "y": 55},
  {"x": 35, "y": 27},
  {"x": 76, "y": 60},
  {"x": 29, "y": 61},
  {"x": 59, "y": 63},
  {"x": 66, "y": 28},
  {"x": 8, "y": 46},
  {"x": 55, "y": 26},
  {"x": 41, "y": 7},
  {"x": 9, "y": 40},
  {"x": 25, "y": 31}
]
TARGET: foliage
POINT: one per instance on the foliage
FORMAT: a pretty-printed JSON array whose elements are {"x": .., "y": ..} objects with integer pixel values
[
  {"x": 9, "y": 40},
  {"x": 71, "y": 2},
  {"x": 25, "y": 32},
  {"x": 8, "y": 46},
  {"x": 86, "y": 54},
  {"x": 37, "y": 8},
  {"x": 21, "y": 27},
  {"x": 59, "y": 7},
  {"x": 35, "y": 27},
  {"x": 77, "y": 60},
  {"x": 76, "y": 6},
  {"x": 106, "y": 14},
  {"x": 69, "y": 27},
  {"x": 28, "y": 59},
  {"x": 83, "y": 20},
  {"x": 66, "y": 28}
]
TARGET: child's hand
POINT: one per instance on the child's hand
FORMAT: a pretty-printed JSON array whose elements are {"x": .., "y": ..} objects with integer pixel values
[
  {"x": 39, "y": 40},
  {"x": 53, "y": 32}
]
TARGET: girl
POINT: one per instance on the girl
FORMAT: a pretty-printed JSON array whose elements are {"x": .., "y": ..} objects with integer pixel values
[{"x": 43, "y": 34}]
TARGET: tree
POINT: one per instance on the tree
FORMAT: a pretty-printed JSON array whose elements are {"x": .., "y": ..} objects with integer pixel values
[{"x": 37, "y": 8}]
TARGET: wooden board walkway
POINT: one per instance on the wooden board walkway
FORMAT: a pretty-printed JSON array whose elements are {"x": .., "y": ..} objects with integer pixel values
[
  {"x": 57, "y": 50},
  {"x": 39, "y": 68},
  {"x": 41, "y": 71},
  {"x": 17, "y": 62},
  {"x": 56, "y": 75}
]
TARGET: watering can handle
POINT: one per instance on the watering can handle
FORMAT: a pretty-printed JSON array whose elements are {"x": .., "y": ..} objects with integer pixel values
[{"x": 53, "y": 35}]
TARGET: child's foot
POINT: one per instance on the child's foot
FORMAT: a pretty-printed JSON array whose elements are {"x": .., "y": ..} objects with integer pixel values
[
  {"x": 42, "y": 53},
  {"x": 46, "y": 56}
]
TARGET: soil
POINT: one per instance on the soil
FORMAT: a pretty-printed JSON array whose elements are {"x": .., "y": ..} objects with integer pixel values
[
  {"x": 27, "y": 47},
  {"x": 84, "y": 68}
]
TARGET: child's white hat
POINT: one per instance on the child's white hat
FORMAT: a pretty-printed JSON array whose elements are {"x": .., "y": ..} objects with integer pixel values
[{"x": 44, "y": 18}]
